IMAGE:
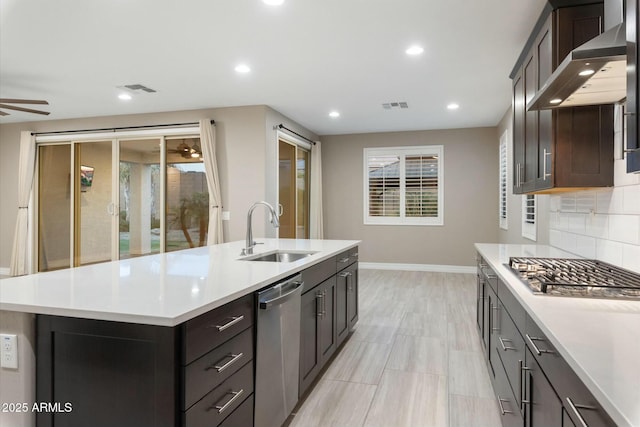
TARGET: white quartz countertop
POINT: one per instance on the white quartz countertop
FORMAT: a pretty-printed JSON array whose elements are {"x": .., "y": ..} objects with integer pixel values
[
  {"x": 599, "y": 339},
  {"x": 165, "y": 289}
]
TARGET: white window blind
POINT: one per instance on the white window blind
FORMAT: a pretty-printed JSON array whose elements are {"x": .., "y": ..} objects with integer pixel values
[
  {"x": 529, "y": 226},
  {"x": 403, "y": 185},
  {"x": 504, "y": 223}
]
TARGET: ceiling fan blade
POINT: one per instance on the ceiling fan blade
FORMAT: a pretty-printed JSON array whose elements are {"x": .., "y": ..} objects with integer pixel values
[
  {"x": 2, "y": 113},
  {"x": 23, "y": 101},
  {"x": 26, "y": 110}
]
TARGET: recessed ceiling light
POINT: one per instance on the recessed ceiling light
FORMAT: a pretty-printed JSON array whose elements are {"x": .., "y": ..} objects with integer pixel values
[
  {"x": 587, "y": 72},
  {"x": 273, "y": 2},
  {"x": 414, "y": 50},
  {"x": 242, "y": 68},
  {"x": 334, "y": 114},
  {"x": 453, "y": 106},
  {"x": 124, "y": 97},
  {"x": 555, "y": 101}
]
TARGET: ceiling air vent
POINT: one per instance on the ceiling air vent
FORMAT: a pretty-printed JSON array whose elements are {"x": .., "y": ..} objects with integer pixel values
[
  {"x": 394, "y": 105},
  {"x": 136, "y": 88}
]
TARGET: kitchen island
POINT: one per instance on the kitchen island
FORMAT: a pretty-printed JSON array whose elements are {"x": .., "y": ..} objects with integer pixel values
[
  {"x": 157, "y": 333},
  {"x": 599, "y": 339}
]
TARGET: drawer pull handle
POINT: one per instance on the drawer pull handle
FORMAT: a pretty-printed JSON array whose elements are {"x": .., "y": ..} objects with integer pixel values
[
  {"x": 343, "y": 260},
  {"x": 233, "y": 321},
  {"x": 345, "y": 274},
  {"x": 319, "y": 299},
  {"x": 220, "y": 368},
  {"x": 502, "y": 410},
  {"x": 575, "y": 407},
  {"x": 502, "y": 341},
  {"x": 535, "y": 347},
  {"x": 355, "y": 254},
  {"x": 222, "y": 408}
]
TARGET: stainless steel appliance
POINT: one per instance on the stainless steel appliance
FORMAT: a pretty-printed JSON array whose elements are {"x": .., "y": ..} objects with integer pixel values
[
  {"x": 277, "y": 352},
  {"x": 576, "y": 277}
]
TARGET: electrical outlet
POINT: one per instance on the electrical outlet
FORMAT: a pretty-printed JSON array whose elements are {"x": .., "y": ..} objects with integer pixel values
[{"x": 9, "y": 351}]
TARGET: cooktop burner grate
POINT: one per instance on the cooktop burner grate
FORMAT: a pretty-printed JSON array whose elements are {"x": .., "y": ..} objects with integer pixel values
[{"x": 576, "y": 277}]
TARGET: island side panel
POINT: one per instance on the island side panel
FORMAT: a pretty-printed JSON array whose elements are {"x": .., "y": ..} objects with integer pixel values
[{"x": 99, "y": 373}]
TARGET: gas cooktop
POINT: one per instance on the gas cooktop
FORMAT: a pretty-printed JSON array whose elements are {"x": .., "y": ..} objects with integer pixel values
[{"x": 576, "y": 277}]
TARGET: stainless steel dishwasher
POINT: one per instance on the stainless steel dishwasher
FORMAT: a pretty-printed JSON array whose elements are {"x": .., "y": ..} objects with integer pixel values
[{"x": 277, "y": 352}]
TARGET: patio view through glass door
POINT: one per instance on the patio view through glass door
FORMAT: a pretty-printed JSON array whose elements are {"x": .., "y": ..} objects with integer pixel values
[
  {"x": 293, "y": 190},
  {"x": 104, "y": 200}
]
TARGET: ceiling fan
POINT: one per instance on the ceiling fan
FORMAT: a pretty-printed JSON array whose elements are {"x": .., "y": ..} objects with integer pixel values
[
  {"x": 188, "y": 151},
  {"x": 4, "y": 104}
]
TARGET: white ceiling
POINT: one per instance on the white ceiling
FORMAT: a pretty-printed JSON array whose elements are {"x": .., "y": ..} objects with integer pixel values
[{"x": 308, "y": 57}]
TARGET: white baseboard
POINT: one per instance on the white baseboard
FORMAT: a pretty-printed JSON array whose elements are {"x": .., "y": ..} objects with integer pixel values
[
  {"x": 4, "y": 271},
  {"x": 418, "y": 267}
]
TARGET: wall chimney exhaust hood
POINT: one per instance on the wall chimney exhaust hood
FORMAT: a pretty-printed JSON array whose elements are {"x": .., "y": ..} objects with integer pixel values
[{"x": 592, "y": 74}]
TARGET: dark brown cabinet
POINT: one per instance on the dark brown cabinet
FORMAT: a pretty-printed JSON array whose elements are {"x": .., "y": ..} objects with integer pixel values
[
  {"x": 195, "y": 374},
  {"x": 568, "y": 148},
  {"x": 633, "y": 87},
  {"x": 534, "y": 385}
]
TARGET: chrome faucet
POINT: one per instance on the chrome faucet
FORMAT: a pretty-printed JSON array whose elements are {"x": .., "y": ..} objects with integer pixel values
[{"x": 248, "y": 250}]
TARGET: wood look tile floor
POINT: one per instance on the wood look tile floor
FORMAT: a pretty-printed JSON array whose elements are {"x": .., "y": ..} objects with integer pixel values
[{"x": 414, "y": 359}]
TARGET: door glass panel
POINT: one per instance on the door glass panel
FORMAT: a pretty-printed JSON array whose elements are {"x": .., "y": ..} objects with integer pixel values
[
  {"x": 139, "y": 198},
  {"x": 187, "y": 196},
  {"x": 54, "y": 205},
  {"x": 287, "y": 189},
  {"x": 93, "y": 203},
  {"x": 302, "y": 199}
]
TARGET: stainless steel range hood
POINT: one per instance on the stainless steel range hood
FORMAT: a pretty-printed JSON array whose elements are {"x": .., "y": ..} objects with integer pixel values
[{"x": 592, "y": 74}]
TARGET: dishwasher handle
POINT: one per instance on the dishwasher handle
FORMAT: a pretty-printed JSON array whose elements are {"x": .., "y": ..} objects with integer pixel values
[{"x": 266, "y": 305}]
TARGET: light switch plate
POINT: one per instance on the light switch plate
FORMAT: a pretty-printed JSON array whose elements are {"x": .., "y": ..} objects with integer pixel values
[
  {"x": 9, "y": 351},
  {"x": 226, "y": 215}
]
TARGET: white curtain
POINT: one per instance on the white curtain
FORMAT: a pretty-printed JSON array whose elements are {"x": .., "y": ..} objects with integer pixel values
[
  {"x": 21, "y": 256},
  {"x": 208, "y": 144},
  {"x": 315, "y": 193}
]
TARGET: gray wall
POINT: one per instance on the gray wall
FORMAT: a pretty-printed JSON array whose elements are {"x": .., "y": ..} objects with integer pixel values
[
  {"x": 470, "y": 197},
  {"x": 513, "y": 234}
]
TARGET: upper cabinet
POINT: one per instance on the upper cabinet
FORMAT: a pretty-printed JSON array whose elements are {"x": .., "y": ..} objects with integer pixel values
[
  {"x": 633, "y": 87},
  {"x": 569, "y": 148}
]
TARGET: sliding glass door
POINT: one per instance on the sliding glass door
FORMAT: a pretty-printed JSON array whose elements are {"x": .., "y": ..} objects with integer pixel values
[
  {"x": 103, "y": 200},
  {"x": 293, "y": 190}
]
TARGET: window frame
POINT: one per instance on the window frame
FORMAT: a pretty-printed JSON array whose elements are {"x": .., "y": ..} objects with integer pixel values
[
  {"x": 503, "y": 182},
  {"x": 530, "y": 229},
  {"x": 402, "y": 153}
]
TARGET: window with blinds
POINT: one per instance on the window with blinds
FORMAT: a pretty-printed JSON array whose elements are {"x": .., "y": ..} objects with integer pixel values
[
  {"x": 403, "y": 185},
  {"x": 504, "y": 222},
  {"x": 529, "y": 226}
]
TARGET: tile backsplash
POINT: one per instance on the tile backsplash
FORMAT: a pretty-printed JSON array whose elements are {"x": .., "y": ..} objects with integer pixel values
[{"x": 602, "y": 224}]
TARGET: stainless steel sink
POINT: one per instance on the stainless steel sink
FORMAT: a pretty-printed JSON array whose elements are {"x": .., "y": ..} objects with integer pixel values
[{"x": 279, "y": 256}]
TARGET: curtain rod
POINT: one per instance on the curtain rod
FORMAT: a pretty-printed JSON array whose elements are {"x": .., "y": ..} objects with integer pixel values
[
  {"x": 281, "y": 126},
  {"x": 118, "y": 128}
]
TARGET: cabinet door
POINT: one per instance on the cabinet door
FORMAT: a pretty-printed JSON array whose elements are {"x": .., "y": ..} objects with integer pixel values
[
  {"x": 543, "y": 407},
  {"x": 530, "y": 171},
  {"x": 519, "y": 110},
  {"x": 583, "y": 135},
  {"x": 507, "y": 404},
  {"x": 327, "y": 333},
  {"x": 342, "y": 317},
  {"x": 352, "y": 296},
  {"x": 633, "y": 88},
  {"x": 544, "y": 68},
  {"x": 309, "y": 337},
  {"x": 479, "y": 301}
]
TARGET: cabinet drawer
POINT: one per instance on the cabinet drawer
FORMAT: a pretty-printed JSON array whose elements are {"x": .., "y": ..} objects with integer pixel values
[
  {"x": 219, "y": 403},
  {"x": 346, "y": 258},
  {"x": 488, "y": 274},
  {"x": 576, "y": 398},
  {"x": 209, "y": 330},
  {"x": 205, "y": 373},
  {"x": 511, "y": 304},
  {"x": 318, "y": 273},
  {"x": 507, "y": 405},
  {"x": 510, "y": 348},
  {"x": 241, "y": 417}
]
